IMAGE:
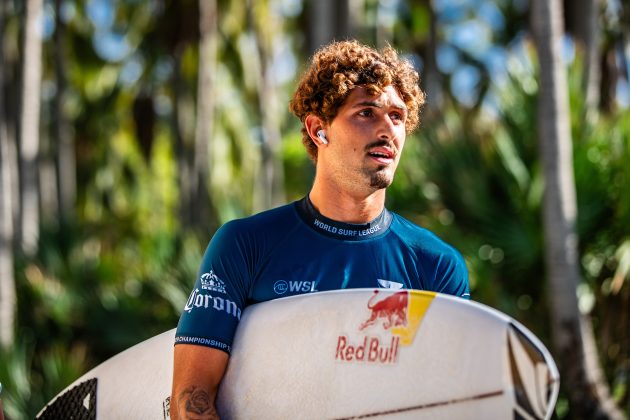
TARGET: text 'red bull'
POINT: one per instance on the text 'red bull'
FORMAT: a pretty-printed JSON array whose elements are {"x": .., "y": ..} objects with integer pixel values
[{"x": 371, "y": 350}]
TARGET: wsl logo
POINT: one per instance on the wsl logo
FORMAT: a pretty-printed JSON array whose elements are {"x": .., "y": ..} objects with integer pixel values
[
  {"x": 280, "y": 287},
  {"x": 210, "y": 281}
]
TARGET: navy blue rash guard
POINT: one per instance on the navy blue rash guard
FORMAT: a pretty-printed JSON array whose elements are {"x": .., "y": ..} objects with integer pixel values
[{"x": 293, "y": 250}]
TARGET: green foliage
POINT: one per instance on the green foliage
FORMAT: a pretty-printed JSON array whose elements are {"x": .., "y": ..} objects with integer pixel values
[
  {"x": 30, "y": 380},
  {"x": 601, "y": 165},
  {"x": 116, "y": 277},
  {"x": 91, "y": 293}
]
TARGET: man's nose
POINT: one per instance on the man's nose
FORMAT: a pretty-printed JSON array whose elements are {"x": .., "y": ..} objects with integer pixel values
[{"x": 386, "y": 129}]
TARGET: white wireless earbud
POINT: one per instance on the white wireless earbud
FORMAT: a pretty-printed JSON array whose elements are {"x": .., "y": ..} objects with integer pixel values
[{"x": 322, "y": 136}]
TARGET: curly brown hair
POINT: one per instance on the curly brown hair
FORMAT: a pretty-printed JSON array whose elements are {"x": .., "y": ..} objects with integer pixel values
[{"x": 338, "y": 68}]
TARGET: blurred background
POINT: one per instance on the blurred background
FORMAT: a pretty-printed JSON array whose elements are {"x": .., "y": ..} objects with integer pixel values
[{"x": 130, "y": 130}]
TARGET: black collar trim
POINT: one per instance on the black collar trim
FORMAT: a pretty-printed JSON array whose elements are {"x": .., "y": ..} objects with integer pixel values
[{"x": 341, "y": 230}]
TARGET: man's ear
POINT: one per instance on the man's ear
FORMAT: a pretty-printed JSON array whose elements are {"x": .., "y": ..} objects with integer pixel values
[{"x": 316, "y": 129}]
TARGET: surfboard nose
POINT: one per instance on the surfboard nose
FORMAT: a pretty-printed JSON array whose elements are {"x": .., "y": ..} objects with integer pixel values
[{"x": 535, "y": 377}]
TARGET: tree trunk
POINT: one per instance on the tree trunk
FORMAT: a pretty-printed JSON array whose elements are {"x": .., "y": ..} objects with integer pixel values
[
  {"x": 7, "y": 275},
  {"x": 7, "y": 162},
  {"x": 29, "y": 125},
  {"x": 592, "y": 72},
  {"x": 271, "y": 192},
  {"x": 62, "y": 134},
  {"x": 430, "y": 78},
  {"x": 184, "y": 170},
  {"x": 384, "y": 24},
  {"x": 47, "y": 181},
  {"x": 329, "y": 20},
  {"x": 581, "y": 17},
  {"x": 206, "y": 94},
  {"x": 572, "y": 334}
]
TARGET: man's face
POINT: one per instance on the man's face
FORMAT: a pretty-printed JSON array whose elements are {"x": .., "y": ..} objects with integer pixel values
[{"x": 365, "y": 140}]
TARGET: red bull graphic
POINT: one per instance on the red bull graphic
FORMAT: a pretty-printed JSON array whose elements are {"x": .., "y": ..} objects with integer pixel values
[
  {"x": 396, "y": 316},
  {"x": 392, "y": 309}
]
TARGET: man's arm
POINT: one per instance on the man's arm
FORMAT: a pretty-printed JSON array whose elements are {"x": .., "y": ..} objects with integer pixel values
[{"x": 197, "y": 373}]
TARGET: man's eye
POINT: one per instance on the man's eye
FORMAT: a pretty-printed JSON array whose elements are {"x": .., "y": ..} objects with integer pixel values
[
  {"x": 366, "y": 113},
  {"x": 398, "y": 116}
]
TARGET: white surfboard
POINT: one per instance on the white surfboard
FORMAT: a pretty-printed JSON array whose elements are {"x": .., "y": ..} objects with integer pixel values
[{"x": 343, "y": 354}]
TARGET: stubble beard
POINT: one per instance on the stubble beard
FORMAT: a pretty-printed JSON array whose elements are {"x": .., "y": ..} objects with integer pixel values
[
  {"x": 366, "y": 179},
  {"x": 381, "y": 178}
]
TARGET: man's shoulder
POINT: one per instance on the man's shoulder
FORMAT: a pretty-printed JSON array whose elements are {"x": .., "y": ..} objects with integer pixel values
[
  {"x": 265, "y": 221},
  {"x": 254, "y": 234},
  {"x": 419, "y": 238},
  {"x": 443, "y": 267}
]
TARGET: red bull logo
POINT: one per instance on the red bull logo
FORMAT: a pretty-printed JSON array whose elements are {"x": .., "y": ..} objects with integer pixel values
[
  {"x": 392, "y": 310},
  {"x": 397, "y": 316},
  {"x": 370, "y": 350}
]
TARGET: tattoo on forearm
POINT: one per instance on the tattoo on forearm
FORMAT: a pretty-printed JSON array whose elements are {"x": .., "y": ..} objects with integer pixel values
[{"x": 195, "y": 403}]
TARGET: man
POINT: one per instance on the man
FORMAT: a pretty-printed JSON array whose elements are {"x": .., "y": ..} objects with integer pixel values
[{"x": 357, "y": 106}]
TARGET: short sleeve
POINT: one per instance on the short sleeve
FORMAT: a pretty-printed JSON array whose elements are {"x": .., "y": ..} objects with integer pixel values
[
  {"x": 215, "y": 304},
  {"x": 452, "y": 275}
]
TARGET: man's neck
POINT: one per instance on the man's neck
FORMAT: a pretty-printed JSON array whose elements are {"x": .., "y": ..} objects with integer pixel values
[{"x": 344, "y": 206}]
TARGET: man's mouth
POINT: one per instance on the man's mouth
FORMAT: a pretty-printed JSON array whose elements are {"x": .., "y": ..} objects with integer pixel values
[{"x": 383, "y": 155}]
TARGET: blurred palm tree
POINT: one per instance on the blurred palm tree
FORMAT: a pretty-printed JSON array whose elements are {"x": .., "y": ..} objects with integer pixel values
[
  {"x": 8, "y": 178},
  {"x": 29, "y": 127},
  {"x": 572, "y": 333}
]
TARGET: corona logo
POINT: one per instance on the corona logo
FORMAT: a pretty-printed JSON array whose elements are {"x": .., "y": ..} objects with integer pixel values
[{"x": 210, "y": 281}]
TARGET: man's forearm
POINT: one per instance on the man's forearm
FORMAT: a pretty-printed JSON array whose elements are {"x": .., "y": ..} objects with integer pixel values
[
  {"x": 194, "y": 403},
  {"x": 197, "y": 373}
]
